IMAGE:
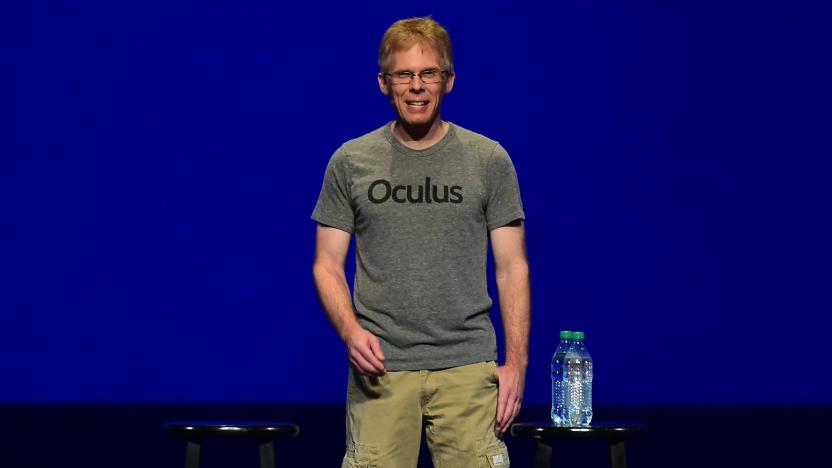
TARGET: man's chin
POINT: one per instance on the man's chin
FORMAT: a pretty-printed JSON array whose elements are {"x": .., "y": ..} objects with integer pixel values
[{"x": 417, "y": 121}]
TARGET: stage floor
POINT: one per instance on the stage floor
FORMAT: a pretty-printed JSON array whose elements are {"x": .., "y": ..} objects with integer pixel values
[{"x": 131, "y": 436}]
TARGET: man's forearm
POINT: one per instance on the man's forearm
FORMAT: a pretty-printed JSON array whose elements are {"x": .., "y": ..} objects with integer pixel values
[
  {"x": 334, "y": 294},
  {"x": 515, "y": 310}
]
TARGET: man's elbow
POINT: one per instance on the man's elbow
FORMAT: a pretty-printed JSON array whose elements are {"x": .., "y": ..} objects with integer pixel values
[
  {"x": 322, "y": 270},
  {"x": 319, "y": 270},
  {"x": 516, "y": 269}
]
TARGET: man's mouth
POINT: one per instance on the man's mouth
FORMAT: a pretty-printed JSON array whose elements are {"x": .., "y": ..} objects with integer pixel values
[{"x": 417, "y": 103}]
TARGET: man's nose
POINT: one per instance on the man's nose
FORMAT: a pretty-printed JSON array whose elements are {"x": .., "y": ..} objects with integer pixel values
[{"x": 416, "y": 84}]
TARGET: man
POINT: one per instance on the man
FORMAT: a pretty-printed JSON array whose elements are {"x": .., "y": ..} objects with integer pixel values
[{"x": 422, "y": 197}]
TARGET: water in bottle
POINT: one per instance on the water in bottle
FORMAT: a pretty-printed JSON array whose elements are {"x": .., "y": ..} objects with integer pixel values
[
  {"x": 578, "y": 391},
  {"x": 559, "y": 413}
]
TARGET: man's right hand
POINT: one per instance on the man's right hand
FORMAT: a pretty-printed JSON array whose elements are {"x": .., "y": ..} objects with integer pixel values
[
  {"x": 331, "y": 248},
  {"x": 364, "y": 351}
]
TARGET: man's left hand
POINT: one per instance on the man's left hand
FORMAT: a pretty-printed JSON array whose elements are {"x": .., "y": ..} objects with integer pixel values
[{"x": 510, "y": 391}]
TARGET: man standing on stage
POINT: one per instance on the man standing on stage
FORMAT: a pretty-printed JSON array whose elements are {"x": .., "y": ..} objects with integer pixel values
[{"x": 423, "y": 196}]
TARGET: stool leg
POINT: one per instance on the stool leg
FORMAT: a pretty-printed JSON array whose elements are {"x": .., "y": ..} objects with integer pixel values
[
  {"x": 618, "y": 454},
  {"x": 192, "y": 455},
  {"x": 543, "y": 455},
  {"x": 267, "y": 454}
]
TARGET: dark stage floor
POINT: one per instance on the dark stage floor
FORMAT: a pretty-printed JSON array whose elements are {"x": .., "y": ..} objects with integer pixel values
[{"x": 130, "y": 436}]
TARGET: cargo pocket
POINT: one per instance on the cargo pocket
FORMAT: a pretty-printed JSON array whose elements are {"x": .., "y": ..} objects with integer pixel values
[
  {"x": 360, "y": 456},
  {"x": 492, "y": 453}
]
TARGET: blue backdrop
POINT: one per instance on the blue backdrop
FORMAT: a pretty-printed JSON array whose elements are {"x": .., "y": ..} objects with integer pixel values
[{"x": 160, "y": 161}]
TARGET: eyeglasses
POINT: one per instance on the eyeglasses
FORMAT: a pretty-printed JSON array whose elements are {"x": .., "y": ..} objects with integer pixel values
[{"x": 430, "y": 76}]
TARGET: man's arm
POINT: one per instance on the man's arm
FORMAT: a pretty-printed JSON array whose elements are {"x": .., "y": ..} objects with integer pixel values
[
  {"x": 331, "y": 249},
  {"x": 512, "y": 270}
]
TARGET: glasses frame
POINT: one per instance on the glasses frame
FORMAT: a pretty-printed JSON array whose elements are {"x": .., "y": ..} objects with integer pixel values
[{"x": 442, "y": 73}]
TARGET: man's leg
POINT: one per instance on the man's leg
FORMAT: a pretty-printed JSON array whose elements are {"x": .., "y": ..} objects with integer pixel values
[
  {"x": 460, "y": 413},
  {"x": 384, "y": 420}
]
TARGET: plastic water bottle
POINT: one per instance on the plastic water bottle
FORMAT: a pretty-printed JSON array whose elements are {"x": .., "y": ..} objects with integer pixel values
[
  {"x": 559, "y": 413},
  {"x": 578, "y": 391}
]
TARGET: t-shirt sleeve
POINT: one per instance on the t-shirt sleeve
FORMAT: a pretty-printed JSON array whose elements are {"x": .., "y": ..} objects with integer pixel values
[
  {"x": 503, "y": 203},
  {"x": 334, "y": 207}
]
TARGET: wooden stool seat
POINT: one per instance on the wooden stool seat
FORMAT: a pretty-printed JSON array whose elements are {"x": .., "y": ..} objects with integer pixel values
[
  {"x": 263, "y": 432},
  {"x": 547, "y": 433}
]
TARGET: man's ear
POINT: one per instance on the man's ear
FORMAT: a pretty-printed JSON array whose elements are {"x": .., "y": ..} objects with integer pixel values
[
  {"x": 449, "y": 83},
  {"x": 382, "y": 84}
]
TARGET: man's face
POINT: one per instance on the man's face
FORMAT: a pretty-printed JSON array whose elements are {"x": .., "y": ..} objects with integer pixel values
[{"x": 416, "y": 103}]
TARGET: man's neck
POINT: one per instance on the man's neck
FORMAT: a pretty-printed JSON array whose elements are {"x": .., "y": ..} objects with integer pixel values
[{"x": 422, "y": 136}]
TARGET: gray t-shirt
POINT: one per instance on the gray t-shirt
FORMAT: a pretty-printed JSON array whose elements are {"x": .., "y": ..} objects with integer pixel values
[{"x": 421, "y": 220}]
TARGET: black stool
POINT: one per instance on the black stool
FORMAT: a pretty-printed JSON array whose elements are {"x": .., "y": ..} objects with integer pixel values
[
  {"x": 264, "y": 432},
  {"x": 546, "y": 433}
]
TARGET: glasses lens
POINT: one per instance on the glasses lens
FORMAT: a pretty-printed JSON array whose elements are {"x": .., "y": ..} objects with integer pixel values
[
  {"x": 402, "y": 77},
  {"x": 429, "y": 76}
]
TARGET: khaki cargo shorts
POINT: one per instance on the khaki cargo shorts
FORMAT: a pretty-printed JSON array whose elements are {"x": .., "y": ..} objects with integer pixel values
[{"x": 457, "y": 406}]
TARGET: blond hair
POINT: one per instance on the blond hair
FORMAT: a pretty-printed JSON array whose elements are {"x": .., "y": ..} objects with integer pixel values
[{"x": 411, "y": 31}]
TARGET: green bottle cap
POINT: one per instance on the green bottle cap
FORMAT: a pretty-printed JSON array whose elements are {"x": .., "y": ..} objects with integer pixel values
[
  {"x": 578, "y": 335},
  {"x": 566, "y": 335}
]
